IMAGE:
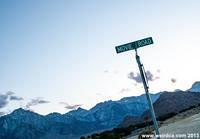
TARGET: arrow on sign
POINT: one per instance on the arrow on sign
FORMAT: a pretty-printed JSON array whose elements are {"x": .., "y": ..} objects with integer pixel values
[{"x": 134, "y": 45}]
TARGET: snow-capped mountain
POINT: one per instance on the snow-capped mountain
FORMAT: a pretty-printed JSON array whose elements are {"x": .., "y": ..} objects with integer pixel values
[
  {"x": 195, "y": 87},
  {"x": 26, "y": 124},
  {"x": 23, "y": 124},
  {"x": 111, "y": 113}
]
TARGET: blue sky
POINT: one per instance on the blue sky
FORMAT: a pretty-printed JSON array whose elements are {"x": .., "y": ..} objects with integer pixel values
[{"x": 64, "y": 51}]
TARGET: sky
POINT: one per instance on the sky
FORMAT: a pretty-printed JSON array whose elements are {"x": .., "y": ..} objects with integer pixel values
[{"x": 57, "y": 55}]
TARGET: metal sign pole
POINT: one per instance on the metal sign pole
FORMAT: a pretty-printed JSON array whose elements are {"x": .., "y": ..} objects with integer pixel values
[
  {"x": 146, "y": 88},
  {"x": 133, "y": 46}
]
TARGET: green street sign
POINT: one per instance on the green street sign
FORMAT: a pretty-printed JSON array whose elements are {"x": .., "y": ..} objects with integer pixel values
[{"x": 134, "y": 45}]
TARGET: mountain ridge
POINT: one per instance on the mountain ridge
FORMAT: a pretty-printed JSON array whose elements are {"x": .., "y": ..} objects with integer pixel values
[
  {"x": 104, "y": 115},
  {"x": 167, "y": 103}
]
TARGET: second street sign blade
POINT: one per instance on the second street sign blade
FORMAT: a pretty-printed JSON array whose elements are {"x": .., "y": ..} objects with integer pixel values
[{"x": 134, "y": 45}]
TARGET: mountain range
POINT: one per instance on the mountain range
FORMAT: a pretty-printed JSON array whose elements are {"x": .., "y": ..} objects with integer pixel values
[
  {"x": 24, "y": 124},
  {"x": 168, "y": 103}
]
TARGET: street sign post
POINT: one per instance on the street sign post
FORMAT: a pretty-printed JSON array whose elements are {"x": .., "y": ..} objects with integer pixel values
[{"x": 135, "y": 45}]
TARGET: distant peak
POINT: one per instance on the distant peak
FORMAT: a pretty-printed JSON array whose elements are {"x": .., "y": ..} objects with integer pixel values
[
  {"x": 80, "y": 109},
  {"x": 178, "y": 90},
  {"x": 54, "y": 114},
  {"x": 196, "y": 83},
  {"x": 195, "y": 87},
  {"x": 20, "y": 110}
]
